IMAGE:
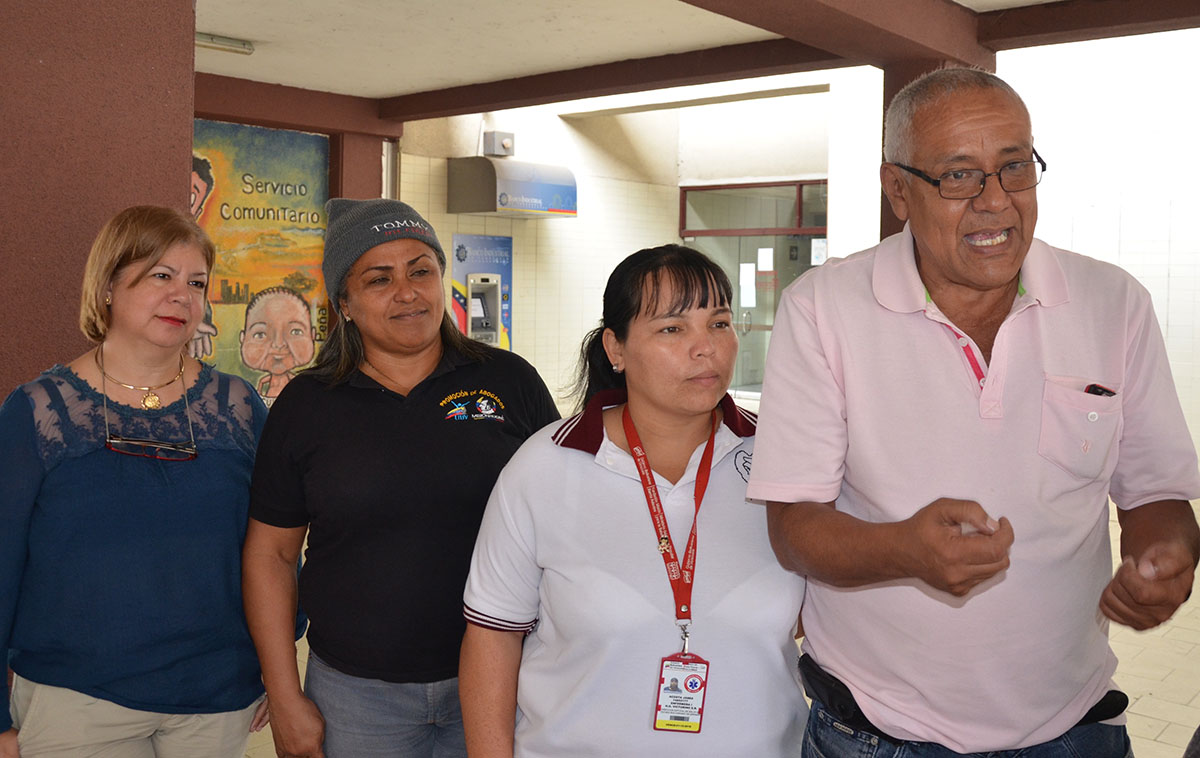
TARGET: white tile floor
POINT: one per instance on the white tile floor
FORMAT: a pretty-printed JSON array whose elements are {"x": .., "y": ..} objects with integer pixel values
[{"x": 1159, "y": 670}]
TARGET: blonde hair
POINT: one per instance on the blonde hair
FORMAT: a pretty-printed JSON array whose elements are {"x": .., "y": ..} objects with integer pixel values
[{"x": 140, "y": 234}]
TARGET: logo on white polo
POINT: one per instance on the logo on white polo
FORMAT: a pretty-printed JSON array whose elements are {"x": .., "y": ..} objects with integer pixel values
[{"x": 741, "y": 462}]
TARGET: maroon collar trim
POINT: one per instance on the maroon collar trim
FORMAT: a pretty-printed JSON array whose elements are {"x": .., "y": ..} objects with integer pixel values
[{"x": 585, "y": 431}]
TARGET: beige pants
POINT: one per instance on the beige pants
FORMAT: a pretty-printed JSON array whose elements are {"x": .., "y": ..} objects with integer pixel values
[{"x": 59, "y": 723}]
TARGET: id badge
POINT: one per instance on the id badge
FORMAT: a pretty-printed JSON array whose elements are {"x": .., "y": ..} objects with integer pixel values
[{"x": 682, "y": 684}]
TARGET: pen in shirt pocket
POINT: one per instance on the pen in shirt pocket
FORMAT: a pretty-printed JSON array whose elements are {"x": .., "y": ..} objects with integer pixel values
[{"x": 1098, "y": 389}]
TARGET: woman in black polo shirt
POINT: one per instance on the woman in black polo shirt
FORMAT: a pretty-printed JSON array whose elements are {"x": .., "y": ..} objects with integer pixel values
[{"x": 383, "y": 455}]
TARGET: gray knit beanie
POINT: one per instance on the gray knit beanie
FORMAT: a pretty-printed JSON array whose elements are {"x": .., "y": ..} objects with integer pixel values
[{"x": 356, "y": 226}]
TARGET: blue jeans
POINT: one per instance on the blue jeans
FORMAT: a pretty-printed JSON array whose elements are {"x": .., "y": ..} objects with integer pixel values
[
  {"x": 825, "y": 737},
  {"x": 370, "y": 718}
]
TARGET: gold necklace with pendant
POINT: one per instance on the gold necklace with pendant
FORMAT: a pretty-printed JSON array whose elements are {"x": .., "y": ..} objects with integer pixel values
[{"x": 150, "y": 401}]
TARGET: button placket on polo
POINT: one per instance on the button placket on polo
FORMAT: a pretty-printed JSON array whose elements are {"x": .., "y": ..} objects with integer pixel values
[
  {"x": 969, "y": 355},
  {"x": 991, "y": 396},
  {"x": 987, "y": 377},
  {"x": 991, "y": 399}
]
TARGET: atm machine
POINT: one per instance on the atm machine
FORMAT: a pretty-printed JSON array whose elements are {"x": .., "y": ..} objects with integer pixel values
[{"x": 483, "y": 303}]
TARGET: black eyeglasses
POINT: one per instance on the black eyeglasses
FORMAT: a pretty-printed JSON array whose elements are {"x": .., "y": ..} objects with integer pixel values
[
  {"x": 159, "y": 451},
  {"x": 143, "y": 448},
  {"x": 964, "y": 184}
]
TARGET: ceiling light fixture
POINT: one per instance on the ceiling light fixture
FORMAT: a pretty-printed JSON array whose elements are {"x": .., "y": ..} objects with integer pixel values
[{"x": 224, "y": 44}]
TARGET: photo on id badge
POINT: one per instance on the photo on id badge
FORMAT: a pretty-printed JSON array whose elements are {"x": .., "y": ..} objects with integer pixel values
[{"x": 682, "y": 685}]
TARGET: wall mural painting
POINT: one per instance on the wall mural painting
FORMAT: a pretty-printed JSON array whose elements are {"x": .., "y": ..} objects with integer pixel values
[{"x": 260, "y": 194}]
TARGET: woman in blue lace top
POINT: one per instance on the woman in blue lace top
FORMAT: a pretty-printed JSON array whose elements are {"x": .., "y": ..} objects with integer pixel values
[{"x": 123, "y": 499}]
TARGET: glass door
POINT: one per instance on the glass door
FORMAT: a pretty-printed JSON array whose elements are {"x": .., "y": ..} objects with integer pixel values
[
  {"x": 759, "y": 267},
  {"x": 763, "y": 236}
]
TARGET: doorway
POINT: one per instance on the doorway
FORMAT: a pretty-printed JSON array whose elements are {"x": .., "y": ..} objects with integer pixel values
[{"x": 764, "y": 236}]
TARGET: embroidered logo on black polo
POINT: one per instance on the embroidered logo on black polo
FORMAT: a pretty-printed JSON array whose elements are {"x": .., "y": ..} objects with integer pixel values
[{"x": 473, "y": 405}]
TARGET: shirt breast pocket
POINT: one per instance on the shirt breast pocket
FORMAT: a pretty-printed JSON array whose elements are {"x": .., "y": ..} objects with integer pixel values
[{"x": 1079, "y": 430}]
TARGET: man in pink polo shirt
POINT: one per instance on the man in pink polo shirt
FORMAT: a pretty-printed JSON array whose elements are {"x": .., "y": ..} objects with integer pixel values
[{"x": 943, "y": 420}]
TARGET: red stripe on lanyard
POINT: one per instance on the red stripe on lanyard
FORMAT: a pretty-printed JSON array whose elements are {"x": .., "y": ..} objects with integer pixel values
[
  {"x": 965, "y": 344},
  {"x": 680, "y": 577}
]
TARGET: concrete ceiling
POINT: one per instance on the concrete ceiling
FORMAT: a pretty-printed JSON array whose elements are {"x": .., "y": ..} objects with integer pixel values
[
  {"x": 383, "y": 48},
  {"x": 423, "y": 58}
]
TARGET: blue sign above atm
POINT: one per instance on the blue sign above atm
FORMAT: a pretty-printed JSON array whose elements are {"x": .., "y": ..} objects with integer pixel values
[
  {"x": 503, "y": 186},
  {"x": 533, "y": 188}
]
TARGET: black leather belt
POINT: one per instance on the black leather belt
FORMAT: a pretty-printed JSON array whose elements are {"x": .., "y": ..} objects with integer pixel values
[{"x": 838, "y": 700}]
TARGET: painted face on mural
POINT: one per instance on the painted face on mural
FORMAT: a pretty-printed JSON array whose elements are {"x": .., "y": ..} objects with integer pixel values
[
  {"x": 259, "y": 194},
  {"x": 199, "y": 193},
  {"x": 279, "y": 335}
]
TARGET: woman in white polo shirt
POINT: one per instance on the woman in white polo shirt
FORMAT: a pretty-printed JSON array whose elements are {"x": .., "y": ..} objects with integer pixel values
[{"x": 580, "y": 599}]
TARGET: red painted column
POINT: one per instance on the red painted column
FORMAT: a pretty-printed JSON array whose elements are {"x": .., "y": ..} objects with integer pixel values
[
  {"x": 355, "y": 166},
  {"x": 96, "y": 116}
]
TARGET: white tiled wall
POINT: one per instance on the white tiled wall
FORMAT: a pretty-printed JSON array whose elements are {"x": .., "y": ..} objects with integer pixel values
[
  {"x": 1123, "y": 158},
  {"x": 560, "y": 265}
]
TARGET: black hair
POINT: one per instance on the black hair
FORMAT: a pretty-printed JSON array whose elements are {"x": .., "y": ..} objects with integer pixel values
[
  {"x": 634, "y": 288},
  {"x": 203, "y": 169},
  {"x": 277, "y": 290}
]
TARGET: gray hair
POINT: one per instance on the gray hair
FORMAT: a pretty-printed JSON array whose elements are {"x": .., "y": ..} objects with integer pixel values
[{"x": 926, "y": 90}]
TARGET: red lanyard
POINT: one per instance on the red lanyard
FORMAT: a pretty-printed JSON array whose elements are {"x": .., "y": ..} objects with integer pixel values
[{"x": 681, "y": 578}]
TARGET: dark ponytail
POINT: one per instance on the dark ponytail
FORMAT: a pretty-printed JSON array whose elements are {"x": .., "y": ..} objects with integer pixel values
[{"x": 595, "y": 372}]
